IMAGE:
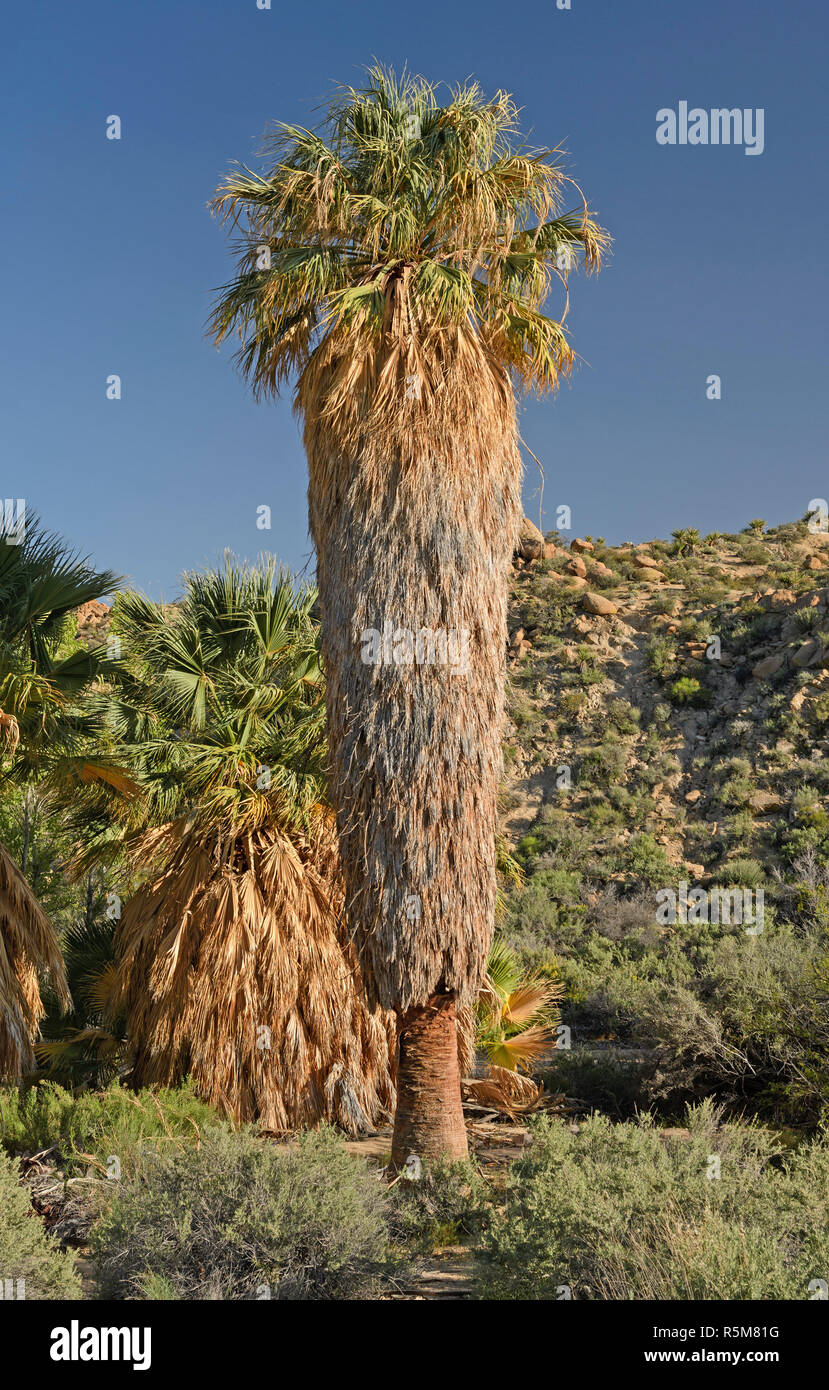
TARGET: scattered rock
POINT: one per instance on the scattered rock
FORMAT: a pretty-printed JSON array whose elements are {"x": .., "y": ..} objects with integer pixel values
[
  {"x": 597, "y": 603},
  {"x": 695, "y": 870},
  {"x": 807, "y": 654},
  {"x": 530, "y": 540},
  {"x": 769, "y": 666},
  {"x": 767, "y": 801}
]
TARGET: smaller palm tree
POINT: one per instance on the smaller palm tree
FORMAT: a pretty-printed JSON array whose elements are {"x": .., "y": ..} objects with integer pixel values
[
  {"x": 87, "y": 1045},
  {"x": 514, "y": 1024},
  {"x": 41, "y": 583},
  {"x": 233, "y": 964}
]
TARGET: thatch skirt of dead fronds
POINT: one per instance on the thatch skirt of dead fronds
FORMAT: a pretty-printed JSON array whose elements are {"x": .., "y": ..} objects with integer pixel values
[
  {"x": 234, "y": 968},
  {"x": 28, "y": 949},
  {"x": 414, "y": 509}
]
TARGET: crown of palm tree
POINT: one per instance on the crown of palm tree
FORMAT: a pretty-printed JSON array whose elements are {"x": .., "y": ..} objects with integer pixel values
[
  {"x": 402, "y": 231},
  {"x": 218, "y": 701},
  {"x": 233, "y": 964}
]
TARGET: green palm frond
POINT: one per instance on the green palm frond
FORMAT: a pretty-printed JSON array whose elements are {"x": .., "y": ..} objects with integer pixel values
[
  {"x": 215, "y": 710},
  {"x": 398, "y": 186}
]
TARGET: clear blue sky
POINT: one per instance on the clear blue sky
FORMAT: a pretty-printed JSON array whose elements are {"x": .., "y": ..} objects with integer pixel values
[{"x": 109, "y": 258}]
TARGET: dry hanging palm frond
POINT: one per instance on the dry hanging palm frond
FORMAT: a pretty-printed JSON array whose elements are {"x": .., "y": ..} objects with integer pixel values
[
  {"x": 234, "y": 968},
  {"x": 28, "y": 949}
]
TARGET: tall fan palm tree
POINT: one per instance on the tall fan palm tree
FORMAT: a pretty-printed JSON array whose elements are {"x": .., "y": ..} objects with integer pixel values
[
  {"x": 232, "y": 963},
  {"x": 395, "y": 264},
  {"x": 41, "y": 583}
]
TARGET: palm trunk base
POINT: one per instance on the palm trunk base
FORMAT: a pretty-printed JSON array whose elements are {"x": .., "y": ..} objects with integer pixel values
[{"x": 428, "y": 1121}]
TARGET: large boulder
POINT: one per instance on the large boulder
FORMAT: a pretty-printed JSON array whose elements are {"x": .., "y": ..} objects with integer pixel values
[
  {"x": 530, "y": 540},
  {"x": 807, "y": 654},
  {"x": 769, "y": 666},
  {"x": 597, "y": 603},
  {"x": 580, "y": 546},
  {"x": 577, "y": 566},
  {"x": 765, "y": 802}
]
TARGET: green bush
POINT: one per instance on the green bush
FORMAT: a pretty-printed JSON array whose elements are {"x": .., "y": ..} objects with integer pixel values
[
  {"x": 26, "y": 1251},
  {"x": 647, "y": 861},
  {"x": 627, "y": 1212},
  {"x": 446, "y": 1204},
  {"x": 602, "y": 1081},
  {"x": 97, "y": 1124},
  {"x": 688, "y": 691},
  {"x": 660, "y": 655},
  {"x": 239, "y": 1218},
  {"x": 742, "y": 873}
]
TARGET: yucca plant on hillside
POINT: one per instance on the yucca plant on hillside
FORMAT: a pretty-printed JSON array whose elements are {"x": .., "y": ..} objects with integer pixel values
[
  {"x": 233, "y": 966},
  {"x": 394, "y": 265},
  {"x": 41, "y": 583}
]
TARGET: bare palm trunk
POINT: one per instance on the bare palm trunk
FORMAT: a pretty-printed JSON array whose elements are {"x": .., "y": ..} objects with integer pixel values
[
  {"x": 429, "y": 1119},
  {"x": 414, "y": 536}
]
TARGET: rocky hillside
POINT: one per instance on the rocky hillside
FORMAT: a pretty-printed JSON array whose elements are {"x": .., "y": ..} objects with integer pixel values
[
  {"x": 670, "y": 701},
  {"x": 93, "y": 620}
]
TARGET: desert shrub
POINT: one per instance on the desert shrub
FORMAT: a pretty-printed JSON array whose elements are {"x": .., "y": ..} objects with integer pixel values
[
  {"x": 644, "y": 859},
  {"x": 604, "y": 764},
  {"x": 599, "y": 1080},
  {"x": 808, "y": 618},
  {"x": 687, "y": 690},
  {"x": 100, "y": 1123},
  {"x": 26, "y": 1251},
  {"x": 626, "y": 1212},
  {"x": 447, "y": 1204},
  {"x": 624, "y": 717},
  {"x": 736, "y": 791},
  {"x": 751, "y": 1026},
  {"x": 556, "y": 836},
  {"x": 660, "y": 655},
  {"x": 239, "y": 1216},
  {"x": 743, "y": 873}
]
